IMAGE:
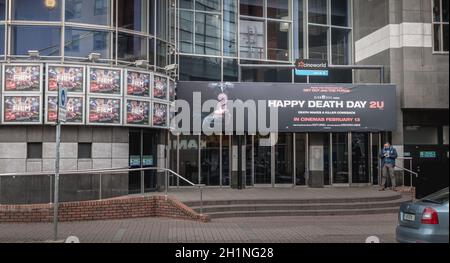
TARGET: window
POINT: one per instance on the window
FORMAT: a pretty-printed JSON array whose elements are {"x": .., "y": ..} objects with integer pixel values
[
  {"x": 34, "y": 150},
  {"x": 84, "y": 150},
  {"x": 440, "y": 26},
  {"x": 46, "y": 39},
  {"x": 88, "y": 11},
  {"x": 265, "y": 30},
  {"x": 329, "y": 25},
  {"x": 35, "y": 10},
  {"x": 131, "y": 15},
  {"x": 82, "y": 42}
]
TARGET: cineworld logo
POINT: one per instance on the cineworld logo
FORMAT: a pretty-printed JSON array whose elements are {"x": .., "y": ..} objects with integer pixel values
[{"x": 311, "y": 64}]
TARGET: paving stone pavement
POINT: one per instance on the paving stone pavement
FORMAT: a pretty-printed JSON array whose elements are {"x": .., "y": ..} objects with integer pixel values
[{"x": 326, "y": 229}]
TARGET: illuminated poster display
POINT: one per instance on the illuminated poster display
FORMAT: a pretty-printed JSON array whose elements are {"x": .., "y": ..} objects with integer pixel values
[
  {"x": 21, "y": 110},
  {"x": 105, "y": 81},
  {"x": 75, "y": 110},
  {"x": 160, "y": 114},
  {"x": 160, "y": 89},
  {"x": 22, "y": 78},
  {"x": 137, "y": 112},
  {"x": 70, "y": 77},
  {"x": 104, "y": 111},
  {"x": 138, "y": 84}
]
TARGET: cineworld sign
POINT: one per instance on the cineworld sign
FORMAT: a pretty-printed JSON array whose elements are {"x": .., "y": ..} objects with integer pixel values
[
  {"x": 275, "y": 107},
  {"x": 311, "y": 67}
]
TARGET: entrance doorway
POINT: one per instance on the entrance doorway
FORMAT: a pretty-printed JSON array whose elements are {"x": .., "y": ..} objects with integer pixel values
[{"x": 142, "y": 154}]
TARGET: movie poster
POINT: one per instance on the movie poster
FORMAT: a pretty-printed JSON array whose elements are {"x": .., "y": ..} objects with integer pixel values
[
  {"x": 105, "y": 81},
  {"x": 160, "y": 114},
  {"x": 138, "y": 112},
  {"x": 22, "y": 110},
  {"x": 138, "y": 84},
  {"x": 75, "y": 110},
  {"x": 22, "y": 78},
  {"x": 70, "y": 77},
  {"x": 160, "y": 87},
  {"x": 172, "y": 90},
  {"x": 105, "y": 111}
]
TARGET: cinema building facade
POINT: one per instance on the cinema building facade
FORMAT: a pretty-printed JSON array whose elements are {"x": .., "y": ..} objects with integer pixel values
[{"x": 125, "y": 62}]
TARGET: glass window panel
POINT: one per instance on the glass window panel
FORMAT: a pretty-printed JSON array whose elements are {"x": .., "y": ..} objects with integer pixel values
[
  {"x": 340, "y": 12},
  {"x": 278, "y": 9},
  {"x": 360, "y": 158},
  {"x": 131, "y": 47},
  {"x": 298, "y": 29},
  {"x": 445, "y": 10},
  {"x": 226, "y": 160},
  {"x": 266, "y": 75},
  {"x": 318, "y": 42},
  {"x": 300, "y": 155},
  {"x": 284, "y": 159},
  {"x": 278, "y": 40},
  {"x": 35, "y": 10},
  {"x": 445, "y": 32},
  {"x": 2, "y": 40},
  {"x": 318, "y": 11},
  {"x": 161, "y": 53},
  {"x": 340, "y": 158},
  {"x": 162, "y": 19},
  {"x": 263, "y": 161},
  {"x": 252, "y": 7},
  {"x": 132, "y": 14},
  {"x": 207, "y": 34},
  {"x": 436, "y": 10},
  {"x": 421, "y": 135},
  {"x": 210, "y": 163},
  {"x": 186, "y": 32},
  {"x": 229, "y": 28},
  {"x": 207, "y": 5},
  {"x": 187, "y": 4},
  {"x": 252, "y": 39},
  {"x": 151, "y": 19},
  {"x": 2, "y": 9},
  {"x": 88, "y": 11},
  {"x": 437, "y": 37},
  {"x": 200, "y": 68},
  {"x": 151, "y": 51},
  {"x": 340, "y": 46},
  {"x": 45, "y": 39},
  {"x": 189, "y": 163},
  {"x": 230, "y": 70},
  {"x": 82, "y": 42}
]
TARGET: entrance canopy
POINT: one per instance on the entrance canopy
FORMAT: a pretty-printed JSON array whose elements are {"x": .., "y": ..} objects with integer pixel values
[{"x": 276, "y": 107}]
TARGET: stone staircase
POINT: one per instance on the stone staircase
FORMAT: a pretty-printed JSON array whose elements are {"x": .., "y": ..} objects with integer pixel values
[{"x": 300, "y": 207}]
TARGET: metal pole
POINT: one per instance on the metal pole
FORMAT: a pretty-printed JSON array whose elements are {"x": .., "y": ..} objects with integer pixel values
[
  {"x": 56, "y": 191},
  {"x": 201, "y": 200},
  {"x": 100, "y": 187}
]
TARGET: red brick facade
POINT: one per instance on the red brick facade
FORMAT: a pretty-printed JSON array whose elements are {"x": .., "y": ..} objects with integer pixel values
[{"x": 120, "y": 208}]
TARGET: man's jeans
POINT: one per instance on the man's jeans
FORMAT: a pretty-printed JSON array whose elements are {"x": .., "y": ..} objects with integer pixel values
[{"x": 388, "y": 170}]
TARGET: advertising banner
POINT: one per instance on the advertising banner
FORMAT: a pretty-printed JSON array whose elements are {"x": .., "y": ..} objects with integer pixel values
[
  {"x": 75, "y": 110},
  {"x": 138, "y": 84},
  {"x": 104, "y": 111},
  {"x": 160, "y": 115},
  {"x": 137, "y": 112},
  {"x": 69, "y": 77},
  {"x": 300, "y": 107},
  {"x": 160, "y": 89},
  {"x": 22, "y": 78},
  {"x": 105, "y": 81},
  {"x": 18, "y": 109}
]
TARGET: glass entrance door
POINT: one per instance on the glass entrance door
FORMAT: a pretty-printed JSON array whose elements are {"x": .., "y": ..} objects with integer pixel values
[
  {"x": 263, "y": 161},
  {"x": 340, "y": 158},
  {"x": 360, "y": 158}
]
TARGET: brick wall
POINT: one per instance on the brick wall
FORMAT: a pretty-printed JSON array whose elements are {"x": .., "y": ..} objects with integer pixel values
[{"x": 119, "y": 208}]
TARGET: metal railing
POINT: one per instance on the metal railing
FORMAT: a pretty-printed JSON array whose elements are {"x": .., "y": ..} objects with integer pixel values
[
  {"x": 168, "y": 174},
  {"x": 410, "y": 171}
]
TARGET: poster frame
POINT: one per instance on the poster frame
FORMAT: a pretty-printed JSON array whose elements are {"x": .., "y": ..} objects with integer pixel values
[
  {"x": 167, "y": 117},
  {"x": 125, "y": 114},
  {"x": 125, "y": 83},
  {"x": 47, "y": 66},
  {"x": 88, "y": 82},
  {"x": 46, "y": 122},
  {"x": 167, "y": 89},
  {"x": 87, "y": 110},
  {"x": 41, "y": 77},
  {"x": 21, "y": 95}
]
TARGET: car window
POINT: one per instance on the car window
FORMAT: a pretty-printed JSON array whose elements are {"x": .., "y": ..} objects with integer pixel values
[{"x": 438, "y": 197}]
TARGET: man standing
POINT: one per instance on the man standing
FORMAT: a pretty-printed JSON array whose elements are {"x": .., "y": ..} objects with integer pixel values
[{"x": 388, "y": 157}]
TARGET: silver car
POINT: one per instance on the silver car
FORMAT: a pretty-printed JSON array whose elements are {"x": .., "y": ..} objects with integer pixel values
[{"x": 425, "y": 220}]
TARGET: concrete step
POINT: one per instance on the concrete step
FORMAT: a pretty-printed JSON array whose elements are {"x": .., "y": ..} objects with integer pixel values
[
  {"x": 299, "y": 207},
  {"x": 392, "y": 197},
  {"x": 272, "y": 213}
]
